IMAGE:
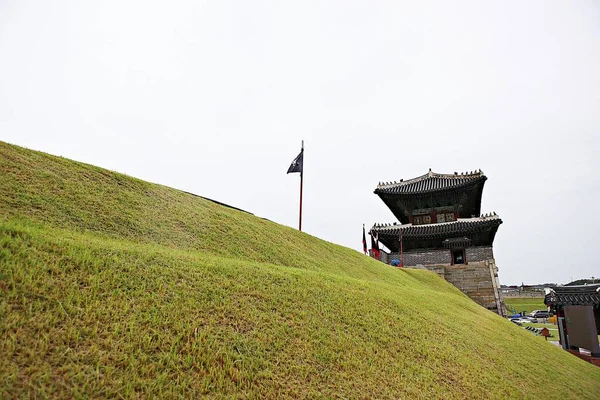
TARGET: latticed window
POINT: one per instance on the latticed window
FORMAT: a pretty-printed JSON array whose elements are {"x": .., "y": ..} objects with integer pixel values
[
  {"x": 441, "y": 217},
  {"x": 449, "y": 217}
]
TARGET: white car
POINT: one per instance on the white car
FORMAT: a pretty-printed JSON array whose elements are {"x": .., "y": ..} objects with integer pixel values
[{"x": 523, "y": 320}]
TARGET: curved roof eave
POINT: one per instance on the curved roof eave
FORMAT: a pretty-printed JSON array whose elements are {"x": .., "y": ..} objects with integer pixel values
[
  {"x": 440, "y": 230},
  {"x": 431, "y": 182}
]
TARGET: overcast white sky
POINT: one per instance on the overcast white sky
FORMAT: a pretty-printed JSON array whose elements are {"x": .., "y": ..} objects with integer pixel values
[{"x": 215, "y": 97}]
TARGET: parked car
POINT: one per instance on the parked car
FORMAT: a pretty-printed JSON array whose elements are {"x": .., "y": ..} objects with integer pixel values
[
  {"x": 523, "y": 320},
  {"x": 539, "y": 314}
]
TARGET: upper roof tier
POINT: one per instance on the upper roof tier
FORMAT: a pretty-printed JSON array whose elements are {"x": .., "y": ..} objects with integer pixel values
[
  {"x": 459, "y": 192},
  {"x": 431, "y": 182}
]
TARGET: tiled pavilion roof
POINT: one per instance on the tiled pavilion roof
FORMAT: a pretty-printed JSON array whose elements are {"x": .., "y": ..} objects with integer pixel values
[
  {"x": 478, "y": 231},
  {"x": 452, "y": 229},
  {"x": 581, "y": 295},
  {"x": 431, "y": 182}
]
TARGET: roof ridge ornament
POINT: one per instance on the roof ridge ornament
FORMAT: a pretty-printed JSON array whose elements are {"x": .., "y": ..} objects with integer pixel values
[{"x": 430, "y": 173}]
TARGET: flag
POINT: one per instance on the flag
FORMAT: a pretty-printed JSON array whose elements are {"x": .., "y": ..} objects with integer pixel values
[
  {"x": 375, "y": 244},
  {"x": 297, "y": 164},
  {"x": 364, "y": 240}
]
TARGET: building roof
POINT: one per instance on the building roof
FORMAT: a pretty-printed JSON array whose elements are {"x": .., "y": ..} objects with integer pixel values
[
  {"x": 479, "y": 229},
  {"x": 580, "y": 295},
  {"x": 431, "y": 182},
  {"x": 446, "y": 229}
]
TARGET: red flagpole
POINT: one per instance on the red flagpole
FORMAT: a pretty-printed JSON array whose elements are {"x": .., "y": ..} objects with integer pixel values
[{"x": 301, "y": 176}]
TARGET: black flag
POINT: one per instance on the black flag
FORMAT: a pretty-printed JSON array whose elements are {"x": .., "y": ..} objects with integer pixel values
[
  {"x": 296, "y": 165},
  {"x": 364, "y": 240}
]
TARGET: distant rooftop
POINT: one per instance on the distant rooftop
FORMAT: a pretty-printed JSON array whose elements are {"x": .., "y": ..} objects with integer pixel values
[{"x": 580, "y": 295}]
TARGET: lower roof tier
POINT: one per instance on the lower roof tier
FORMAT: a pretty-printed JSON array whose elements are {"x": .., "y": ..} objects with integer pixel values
[{"x": 478, "y": 231}]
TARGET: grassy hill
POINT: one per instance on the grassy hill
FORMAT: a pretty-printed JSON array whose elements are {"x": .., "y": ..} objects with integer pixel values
[{"x": 115, "y": 287}]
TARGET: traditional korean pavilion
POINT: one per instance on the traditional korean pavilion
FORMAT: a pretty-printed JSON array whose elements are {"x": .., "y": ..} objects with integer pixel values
[
  {"x": 440, "y": 227},
  {"x": 578, "y": 315}
]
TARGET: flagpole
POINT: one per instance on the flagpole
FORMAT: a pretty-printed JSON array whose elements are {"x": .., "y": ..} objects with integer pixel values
[{"x": 301, "y": 176}]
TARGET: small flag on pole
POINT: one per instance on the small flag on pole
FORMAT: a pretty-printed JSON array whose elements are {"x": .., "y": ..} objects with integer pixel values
[
  {"x": 298, "y": 166},
  {"x": 364, "y": 240},
  {"x": 375, "y": 244}
]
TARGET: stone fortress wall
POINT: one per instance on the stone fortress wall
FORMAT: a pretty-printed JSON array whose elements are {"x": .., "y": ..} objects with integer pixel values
[{"x": 478, "y": 278}]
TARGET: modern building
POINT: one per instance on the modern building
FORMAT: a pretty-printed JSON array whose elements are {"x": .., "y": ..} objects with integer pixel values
[{"x": 440, "y": 227}]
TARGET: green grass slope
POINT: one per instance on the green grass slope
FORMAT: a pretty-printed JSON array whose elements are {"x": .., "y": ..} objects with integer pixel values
[{"x": 114, "y": 287}]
